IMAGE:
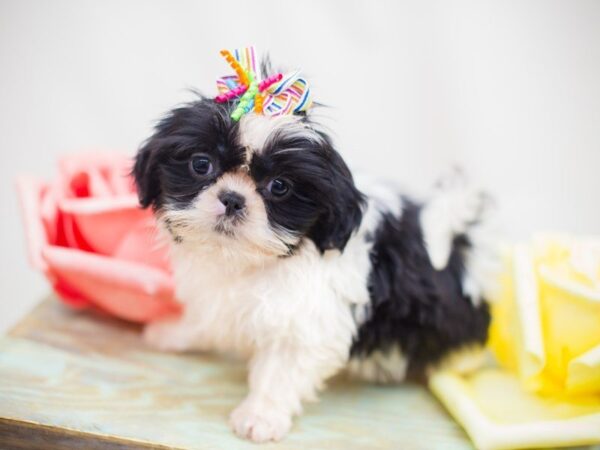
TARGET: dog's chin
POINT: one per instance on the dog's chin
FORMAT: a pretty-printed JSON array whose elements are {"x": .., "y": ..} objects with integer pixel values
[
  {"x": 233, "y": 242},
  {"x": 228, "y": 226}
]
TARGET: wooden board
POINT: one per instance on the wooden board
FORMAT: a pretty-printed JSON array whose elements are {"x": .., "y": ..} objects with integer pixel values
[{"x": 78, "y": 380}]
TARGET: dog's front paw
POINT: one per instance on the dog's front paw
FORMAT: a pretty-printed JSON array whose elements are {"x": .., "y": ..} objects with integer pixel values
[
  {"x": 259, "y": 424},
  {"x": 166, "y": 335}
]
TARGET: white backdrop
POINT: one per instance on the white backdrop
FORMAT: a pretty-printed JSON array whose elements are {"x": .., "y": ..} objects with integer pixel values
[{"x": 508, "y": 90}]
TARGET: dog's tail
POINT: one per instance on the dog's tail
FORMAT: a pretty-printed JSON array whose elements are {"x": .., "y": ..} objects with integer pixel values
[{"x": 457, "y": 208}]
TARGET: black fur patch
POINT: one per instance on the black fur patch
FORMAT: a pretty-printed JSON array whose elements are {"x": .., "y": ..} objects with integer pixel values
[
  {"x": 414, "y": 306},
  {"x": 323, "y": 204},
  {"x": 162, "y": 172}
]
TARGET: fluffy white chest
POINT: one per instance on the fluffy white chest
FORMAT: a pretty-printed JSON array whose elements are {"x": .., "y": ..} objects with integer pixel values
[{"x": 304, "y": 298}]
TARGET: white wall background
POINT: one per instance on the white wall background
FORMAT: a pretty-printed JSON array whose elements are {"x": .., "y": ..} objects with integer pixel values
[{"x": 509, "y": 89}]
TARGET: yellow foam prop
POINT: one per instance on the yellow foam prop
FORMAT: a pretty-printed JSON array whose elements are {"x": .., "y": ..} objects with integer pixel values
[{"x": 545, "y": 335}]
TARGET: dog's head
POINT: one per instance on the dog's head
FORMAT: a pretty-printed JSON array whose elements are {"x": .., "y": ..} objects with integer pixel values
[{"x": 261, "y": 185}]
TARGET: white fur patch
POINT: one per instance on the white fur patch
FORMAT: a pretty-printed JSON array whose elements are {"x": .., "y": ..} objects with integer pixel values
[
  {"x": 255, "y": 130},
  {"x": 456, "y": 207},
  {"x": 380, "y": 367},
  {"x": 453, "y": 206}
]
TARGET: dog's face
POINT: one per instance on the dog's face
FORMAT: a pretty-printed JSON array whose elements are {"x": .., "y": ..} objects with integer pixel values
[{"x": 261, "y": 185}]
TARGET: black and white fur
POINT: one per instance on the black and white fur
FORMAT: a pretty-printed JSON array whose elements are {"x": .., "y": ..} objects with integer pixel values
[{"x": 331, "y": 274}]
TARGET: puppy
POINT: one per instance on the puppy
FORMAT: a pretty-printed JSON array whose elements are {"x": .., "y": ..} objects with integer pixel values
[{"x": 281, "y": 256}]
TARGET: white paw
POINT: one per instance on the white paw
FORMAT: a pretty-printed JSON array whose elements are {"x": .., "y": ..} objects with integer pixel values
[
  {"x": 166, "y": 335},
  {"x": 259, "y": 424}
]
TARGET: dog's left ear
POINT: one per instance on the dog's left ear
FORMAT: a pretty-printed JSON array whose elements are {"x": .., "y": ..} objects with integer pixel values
[
  {"x": 145, "y": 173},
  {"x": 344, "y": 205}
]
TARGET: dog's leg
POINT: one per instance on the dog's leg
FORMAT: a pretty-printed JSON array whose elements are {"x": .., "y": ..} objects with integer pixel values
[{"x": 280, "y": 378}]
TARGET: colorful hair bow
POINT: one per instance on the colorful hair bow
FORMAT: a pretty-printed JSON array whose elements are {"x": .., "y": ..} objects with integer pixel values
[{"x": 276, "y": 95}]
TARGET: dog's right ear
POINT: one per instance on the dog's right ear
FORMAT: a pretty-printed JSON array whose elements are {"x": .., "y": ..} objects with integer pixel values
[{"x": 146, "y": 175}]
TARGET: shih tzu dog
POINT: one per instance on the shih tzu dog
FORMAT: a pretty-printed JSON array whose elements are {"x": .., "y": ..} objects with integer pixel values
[{"x": 282, "y": 257}]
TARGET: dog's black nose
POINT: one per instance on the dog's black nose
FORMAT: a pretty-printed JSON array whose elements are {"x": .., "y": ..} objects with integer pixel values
[{"x": 234, "y": 203}]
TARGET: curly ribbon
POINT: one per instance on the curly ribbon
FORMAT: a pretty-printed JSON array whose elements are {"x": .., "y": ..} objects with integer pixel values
[{"x": 276, "y": 95}]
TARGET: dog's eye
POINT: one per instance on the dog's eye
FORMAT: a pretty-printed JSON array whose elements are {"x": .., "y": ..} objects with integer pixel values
[
  {"x": 278, "y": 187},
  {"x": 201, "y": 165}
]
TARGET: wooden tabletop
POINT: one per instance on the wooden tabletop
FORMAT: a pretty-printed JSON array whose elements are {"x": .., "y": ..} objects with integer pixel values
[{"x": 74, "y": 380}]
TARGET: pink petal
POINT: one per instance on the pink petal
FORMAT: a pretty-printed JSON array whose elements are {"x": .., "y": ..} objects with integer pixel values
[
  {"x": 72, "y": 236},
  {"x": 29, "y": 191},
  {"x": 122, "y": 181},
  {"x": 95, "y": 175},
  {"x": 141, "y": 244},
  {"x": 100, "y": 224},
  {"x": 69, "y": 295},
  {"x": 49, "y": 214},
  {"x": 127, "y": 290}
]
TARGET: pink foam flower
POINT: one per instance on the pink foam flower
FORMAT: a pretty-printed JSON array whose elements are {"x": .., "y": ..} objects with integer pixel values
[{"x": 86, "y": 232}]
